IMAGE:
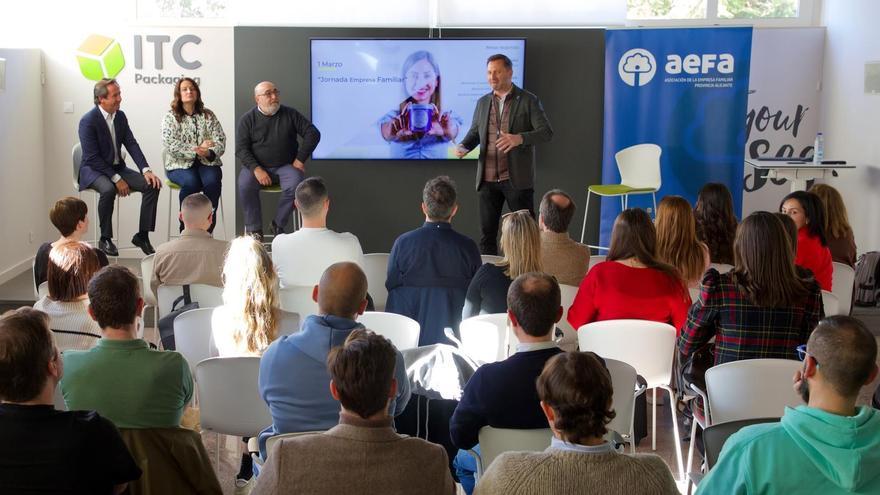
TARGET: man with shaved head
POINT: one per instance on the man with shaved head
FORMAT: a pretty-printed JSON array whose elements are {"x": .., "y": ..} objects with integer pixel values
[
  {"x": 561, "y": 256},
  {"x": 195, "y": 257},
  {"x": 266, "y": 143},
  {"x": 829, "y": 445},
  {"x": 294, "y": 380}
]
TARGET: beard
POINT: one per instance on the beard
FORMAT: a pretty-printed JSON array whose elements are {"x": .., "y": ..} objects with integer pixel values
[
  {"x": 271, "y": 108},
  {"x": 804, "y": 390}
]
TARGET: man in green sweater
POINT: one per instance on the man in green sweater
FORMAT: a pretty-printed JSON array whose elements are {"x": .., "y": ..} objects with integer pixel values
[
  {"x": 122, "y": 378},
  {"x": 829, "y": 445}
]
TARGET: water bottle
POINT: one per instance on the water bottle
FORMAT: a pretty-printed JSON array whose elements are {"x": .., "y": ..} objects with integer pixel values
[{"x": 818, "y": 149}]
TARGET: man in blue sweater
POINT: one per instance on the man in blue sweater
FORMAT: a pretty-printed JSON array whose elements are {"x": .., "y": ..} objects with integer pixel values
[
  {"x": 503, "y": 394},
  {"x": 294, "y": 380}
]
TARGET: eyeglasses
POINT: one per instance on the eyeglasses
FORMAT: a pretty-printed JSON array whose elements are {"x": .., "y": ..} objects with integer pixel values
[
  {"x": 802, "y": 353},
  {"x": 270, "y": 93}
]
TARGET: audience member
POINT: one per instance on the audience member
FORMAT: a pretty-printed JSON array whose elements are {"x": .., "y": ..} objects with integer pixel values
[
  {"x": 122, "y": 378},
  {"x": 762, "y": 308},
  {"x": 677, "y": 243},
  {"x": 293, "y": 374},
  {"x": 43, "y": 450},
  {"x": 193, "y": 140},
  {"x": 502, "y": 394},
  {"x": 71, "y": 266},
  {"x": 301, "y": 257},
  {"x": 716, "y": 221},
  {"x": 792, "y": 231},
  {"x": 561, "y": 256},
  {"x": 363, "y": 453},
  {"x": 430, "y": 268},
  {"x": 195, "y": 257},
  {"x": 838, "y": 233},
  {"x": 806, "y": 210},
  {"x": 632, "y": 283},
  {"x": 576, "y": 397},
  {"x": 71, "y": 217},
  {"x": 521, "y": 245},
  {"x": 266, "y": 143},
  {"x": 829, "y": 445}
]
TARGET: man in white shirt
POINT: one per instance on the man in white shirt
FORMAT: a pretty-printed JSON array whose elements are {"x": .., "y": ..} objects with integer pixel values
[{"x": 301, "y": 257}]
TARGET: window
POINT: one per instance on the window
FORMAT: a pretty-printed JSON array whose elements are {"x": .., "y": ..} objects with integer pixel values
[
  {"x": 666, "y": 9},
  {"x": 702, "y": 12},
  {"x": 757, "y": 9}
]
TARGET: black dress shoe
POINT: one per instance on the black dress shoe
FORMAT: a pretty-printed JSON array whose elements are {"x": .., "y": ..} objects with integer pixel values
[
  {"x": 107, "y": 247},
  {"x": 143, "y": 243},
  {"x": 276, "y": 230}
]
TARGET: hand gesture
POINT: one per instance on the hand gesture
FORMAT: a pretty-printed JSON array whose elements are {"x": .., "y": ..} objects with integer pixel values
[
  {"x": 262, "y": 176},
  {"x": 122, "y": 188},
  {"x": 460, "y": 151},
  {"x": 400, "y": 125},
  {"x": 152, "y": 180},
  {"x": 299, "y": 165},
  {"x": 507, "y": 142}
]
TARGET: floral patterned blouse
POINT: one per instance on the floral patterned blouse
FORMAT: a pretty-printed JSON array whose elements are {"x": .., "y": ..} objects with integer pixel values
[{"x": 179, "y": 139}]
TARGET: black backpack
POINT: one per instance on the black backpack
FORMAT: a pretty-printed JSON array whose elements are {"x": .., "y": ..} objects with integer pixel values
[
  {"x": 166, "y": 323},
  {"x": 866, "y": 287}
]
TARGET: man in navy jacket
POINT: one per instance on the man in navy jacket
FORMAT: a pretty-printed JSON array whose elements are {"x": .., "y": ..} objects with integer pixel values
[{"x": 102, "y": 132}]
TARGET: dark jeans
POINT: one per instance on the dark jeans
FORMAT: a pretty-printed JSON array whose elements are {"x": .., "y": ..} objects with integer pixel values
[
  {"x": 107, "y": 197},
  {"x": 199, "y": 178},
  {"x": 492, "y": 198},
  {"x": 249, "y": 193}
]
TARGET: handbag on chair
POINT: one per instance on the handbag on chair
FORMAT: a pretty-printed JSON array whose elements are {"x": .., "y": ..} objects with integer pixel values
[{"x": 166, "y": 323}]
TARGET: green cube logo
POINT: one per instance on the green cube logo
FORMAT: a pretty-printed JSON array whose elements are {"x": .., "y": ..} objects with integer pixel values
[{"x": 100, "y": 57}]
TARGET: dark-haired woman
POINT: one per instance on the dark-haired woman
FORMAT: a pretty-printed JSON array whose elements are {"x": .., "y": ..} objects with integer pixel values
[
  {"x": 632, "y": 283},
  {"x": 838, "y": 231},
  {"x": 194, "y": 141},
  {"x": 808, "y": 213},
  {"x": 716, "y": 221},
  {"x": 763, "y": 308}
]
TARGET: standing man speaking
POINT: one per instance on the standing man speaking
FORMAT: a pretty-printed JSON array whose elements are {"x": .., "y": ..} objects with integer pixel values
[{"x": 507, "y": 122}]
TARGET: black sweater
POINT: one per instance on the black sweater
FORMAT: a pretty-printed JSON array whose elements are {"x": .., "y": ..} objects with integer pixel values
[{"x": 271, "y": 141}]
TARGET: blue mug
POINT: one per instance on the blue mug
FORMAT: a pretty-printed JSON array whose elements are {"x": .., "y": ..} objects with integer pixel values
[{"x": 420, "y": 117}]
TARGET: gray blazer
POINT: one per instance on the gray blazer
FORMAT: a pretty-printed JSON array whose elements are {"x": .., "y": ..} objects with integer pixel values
[{"x": 527, "y": 118}]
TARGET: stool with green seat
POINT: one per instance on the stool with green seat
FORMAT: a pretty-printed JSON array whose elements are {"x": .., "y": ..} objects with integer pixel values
[
  {"x": 639, "y": 168},
  {"x": 173, "y": 186}
]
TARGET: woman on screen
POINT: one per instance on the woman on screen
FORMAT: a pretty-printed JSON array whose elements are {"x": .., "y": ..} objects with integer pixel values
[{"x": 417, "y": 129}]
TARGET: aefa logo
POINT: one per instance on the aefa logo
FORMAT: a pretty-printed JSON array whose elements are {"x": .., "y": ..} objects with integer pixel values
[
  {"x": 101, "y": 57},
  {"x": 637, "y": 66}
]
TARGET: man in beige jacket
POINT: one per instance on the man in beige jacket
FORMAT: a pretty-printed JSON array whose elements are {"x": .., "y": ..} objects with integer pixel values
[
  {"x": 362, "y": 454},
  {"x": 561, "y": 256}
]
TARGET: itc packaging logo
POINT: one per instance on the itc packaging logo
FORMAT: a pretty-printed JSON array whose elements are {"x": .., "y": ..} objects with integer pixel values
[
  {"x": 100, "y": 57},
  {"x": 637, "y": 67}
]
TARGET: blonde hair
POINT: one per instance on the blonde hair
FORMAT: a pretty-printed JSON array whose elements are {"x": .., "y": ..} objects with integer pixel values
[
  {"x": 520, "y": 243},
  {"x": 836, "y": 220},
  {"x": 250, "y": 294},
  {"x": 677, "y": 242}
]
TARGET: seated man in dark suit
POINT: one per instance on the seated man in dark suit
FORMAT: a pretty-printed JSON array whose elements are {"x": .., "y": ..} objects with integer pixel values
[
  {"x": 503, "y": 394},
  {"x": 102, "y": 132},
  {"x": 430, "y": 268}
]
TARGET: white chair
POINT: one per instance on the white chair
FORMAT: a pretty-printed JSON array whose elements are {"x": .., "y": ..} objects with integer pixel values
[
  {"x": 595, "y": 260},
  {"x": 376, "y": 270},
  {"x": 496, "y": 441},
  {"x": 639, "y": 168},
  {"x": 830, "y": 303},
  {"x": 147, "y": 289},
  {"x": 842, "y": 282},
  {"x": 649, "y": 347},
  {"x": 568, "y": 342},
  {"x": 721, "y": 267},
  {"x": 491, "y": 258},
  {"x": 402, "y": 331},
  {"x": 192, "y": 335},
  {"x": 298, "y": 299},
  {"x": 34, "y": 278},
  {"x": 43, "y": 290},
  {"x": 485, "y": 338},
  {"x": 207, "y": 296},
  {"x": 623, "y": 380}
]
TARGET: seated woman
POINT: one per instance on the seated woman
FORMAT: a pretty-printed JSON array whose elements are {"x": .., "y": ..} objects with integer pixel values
[
  {"x": 71, "y": 266},
  {"x": 838, "y": 232},
  {"x": 716, "y": 222},
  {"x": 521, "y": 245},
  {"x": 677, "y": 243},
  {"x": 575, "y": 392},
  {"x": 808, "y": 214},
  {"x": 71, "y": 217},
  {"x": 632, "y": 283},
  {"x": 760, "y": 309}
]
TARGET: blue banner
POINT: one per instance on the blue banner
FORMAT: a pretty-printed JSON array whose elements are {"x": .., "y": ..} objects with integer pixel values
[{"x": 685, "y": 90}]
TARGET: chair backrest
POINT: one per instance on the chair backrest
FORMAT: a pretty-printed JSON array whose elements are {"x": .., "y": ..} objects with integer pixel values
[
  {"x": 491, "y": 258},
  {"x": 147, "y": 277},
  {"x": 647, "y": 346},
  {"x": 376, "y": 270},
  {"x": 595, "y": 260},
  {"x": 298, "y": 299},
  {"x": 207, "y": 296},
  {"x": 401, "y": 330},
  {"x": 721, "y": 267},
  {"x": 271, "y": 441},
  {"x": 830, "y": 303},
  {"x": 751, "y": 388},
  {"x": 43, "y": 290},
  {"x": 76, "y": 155},
  {"x": 842, "y": 280},
  {"x": 715, "y": 436},
  {"x": 485, "y": 337},
  {"x": 639, "y": 165},
  {"x": 623, "y": 380},
  {"x": 569, "y": 335},
  {"x": 192, "y": 335},
  {"x": 496, "y": 441},
  {"x": 229, "y": 396}
]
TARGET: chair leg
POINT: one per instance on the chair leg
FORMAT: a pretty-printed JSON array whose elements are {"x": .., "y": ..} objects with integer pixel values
[
  {"x": 678, "y": 456},
  {"x": 222, "y": 215},
  {"x": 654, "y": 197},
  {"x": 654, "y": 418},
  {"x": 586, "y": 210},
  {"x": 691, "y": 446},
  {"x": 170, "y": 194}
]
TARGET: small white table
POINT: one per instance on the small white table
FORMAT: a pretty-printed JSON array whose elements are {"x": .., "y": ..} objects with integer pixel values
[{"x": 797, "y": 172}]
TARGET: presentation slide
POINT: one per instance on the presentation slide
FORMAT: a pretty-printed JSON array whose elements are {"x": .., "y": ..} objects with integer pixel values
[{"x": 404, "y": 99}]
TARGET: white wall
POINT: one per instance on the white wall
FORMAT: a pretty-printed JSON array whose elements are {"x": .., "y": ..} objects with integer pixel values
[{"x": 23, "y": 208}]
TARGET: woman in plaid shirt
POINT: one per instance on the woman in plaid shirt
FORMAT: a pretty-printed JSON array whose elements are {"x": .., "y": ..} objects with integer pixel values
[{"x": 762, "y": 308}]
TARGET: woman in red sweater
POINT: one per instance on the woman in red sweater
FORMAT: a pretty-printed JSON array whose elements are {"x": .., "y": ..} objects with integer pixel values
[
  {"x": 632, "y": 283},
  {"x": 806, "y": 209}
]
